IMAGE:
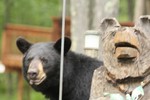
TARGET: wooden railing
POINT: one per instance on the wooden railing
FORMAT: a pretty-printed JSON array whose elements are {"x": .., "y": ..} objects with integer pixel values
[
  {"x": 11, "y": 57},
  {"x": 129, "y": 24}
]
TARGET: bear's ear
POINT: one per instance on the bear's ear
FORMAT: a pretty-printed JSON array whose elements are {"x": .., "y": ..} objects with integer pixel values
[
  {"x": 108, "y": 24},
  {"x": 67, "y": 45},
  {"x": 22, "y": 44},
  {"x": 143, "y": 24}
]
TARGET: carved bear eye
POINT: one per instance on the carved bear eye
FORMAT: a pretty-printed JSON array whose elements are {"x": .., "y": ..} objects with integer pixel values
[
  {"x": 44, "y": 60},
  {"x": 113, "y": 33},
  {"x": 136, "y": 32}
]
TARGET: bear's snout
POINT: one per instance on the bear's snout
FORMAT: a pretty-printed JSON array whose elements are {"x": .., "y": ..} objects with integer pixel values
[
  {"x": 35, "y": 73},
  {"x": 126, "y": 45},
  {"x": 32, "y": 74}
]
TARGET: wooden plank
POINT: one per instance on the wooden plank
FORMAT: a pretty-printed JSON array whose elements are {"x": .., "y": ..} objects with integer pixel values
[{"x": 20, "y": 86}]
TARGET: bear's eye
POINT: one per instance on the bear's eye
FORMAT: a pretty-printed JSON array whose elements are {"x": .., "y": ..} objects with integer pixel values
[
  {"x": 29, "y": 60},
  {"x": 44, "y": 60}
]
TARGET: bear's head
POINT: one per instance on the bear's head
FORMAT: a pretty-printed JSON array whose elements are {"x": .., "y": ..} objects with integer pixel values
[
  {"x": 41, "y": 61},
  {"x": 126, "y": 49}
]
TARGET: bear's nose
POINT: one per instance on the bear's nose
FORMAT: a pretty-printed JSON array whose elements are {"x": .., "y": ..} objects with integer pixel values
[{"x": 32, "y": 74}]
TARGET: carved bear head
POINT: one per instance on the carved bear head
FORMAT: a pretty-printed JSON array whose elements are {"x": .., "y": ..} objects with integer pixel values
[{"x": 126, "y": 50}]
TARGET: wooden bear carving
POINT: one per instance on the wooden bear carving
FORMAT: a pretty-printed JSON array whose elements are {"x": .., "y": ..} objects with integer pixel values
[{"x": 126, "y": 53}]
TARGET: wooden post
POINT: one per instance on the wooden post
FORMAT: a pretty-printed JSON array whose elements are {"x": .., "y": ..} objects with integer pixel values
[
  {"x": 57, "y": 27},
  {"x": 20, "y": 86}
]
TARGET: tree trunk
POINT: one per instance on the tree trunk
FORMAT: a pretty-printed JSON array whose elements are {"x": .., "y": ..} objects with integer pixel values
[
  {"x": 87, "y": 14},
  {"x": 8, "y": 4},
  {"x": 147, "y": 7},
  {"x": 67, "y": 7},
  {"x": 79, "y": 23},
  {"x": 102, "y": 9},
  {"x": 130, "y": 9},
  {"x": 139, "y": 9}
]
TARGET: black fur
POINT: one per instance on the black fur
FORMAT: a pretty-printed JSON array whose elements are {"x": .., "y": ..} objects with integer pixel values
[{"x": 78, "y": 70}]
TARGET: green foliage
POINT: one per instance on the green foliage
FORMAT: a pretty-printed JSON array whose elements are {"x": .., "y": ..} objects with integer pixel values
[
  {"x": 123, "y": 11},
  {"x": 8, "y": 88},
  {"x": 36, "y": 96},
  {"x": 1, "y": 12},
  {"x": 34, "y": 12},
  {"x": 29, "y": 12},
  {"x": 3, "y": 83}
]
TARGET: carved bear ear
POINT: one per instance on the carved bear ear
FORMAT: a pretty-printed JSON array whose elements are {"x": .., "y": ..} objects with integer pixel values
[
  {"x": 143, "y": 24},
  {"x": 22, "y": 44},
  {"x": 67, "y": 45},
  {"x": 108, "y": 24}
]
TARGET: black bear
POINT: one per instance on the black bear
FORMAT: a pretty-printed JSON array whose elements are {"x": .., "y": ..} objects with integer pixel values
[{"x": 41, "y": 68}]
